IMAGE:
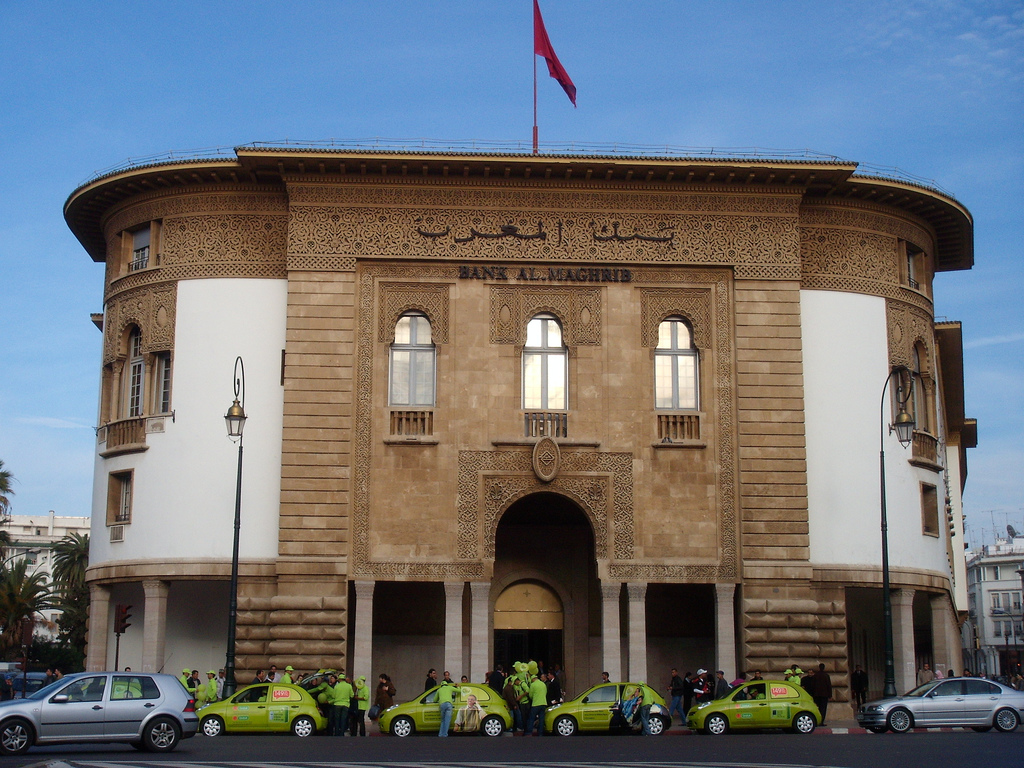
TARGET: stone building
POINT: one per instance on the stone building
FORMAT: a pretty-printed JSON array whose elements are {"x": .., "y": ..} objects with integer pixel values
[
  {"x": 994, "y": 630},
  {"x": 619, "y": 413}
]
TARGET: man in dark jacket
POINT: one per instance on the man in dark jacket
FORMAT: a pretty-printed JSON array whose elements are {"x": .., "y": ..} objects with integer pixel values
[
  {"x": 859, "y": 686},
  {"x": 820, "y": 688},
  {"x": 722, "y": 686},
  {"x": 676, "y": 689}
]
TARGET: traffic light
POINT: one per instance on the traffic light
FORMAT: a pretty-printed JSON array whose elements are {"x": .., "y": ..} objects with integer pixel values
[{"x": 121, "y": 617}]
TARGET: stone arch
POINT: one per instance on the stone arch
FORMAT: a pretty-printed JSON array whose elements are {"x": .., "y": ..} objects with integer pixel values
[{"x": 596, "y": 518}]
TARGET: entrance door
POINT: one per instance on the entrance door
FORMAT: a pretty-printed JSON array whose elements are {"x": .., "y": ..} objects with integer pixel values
[{"x": 528, "y": 625}]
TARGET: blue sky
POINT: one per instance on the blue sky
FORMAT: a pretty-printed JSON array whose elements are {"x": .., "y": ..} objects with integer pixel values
[{"x": 933, "y": 87}]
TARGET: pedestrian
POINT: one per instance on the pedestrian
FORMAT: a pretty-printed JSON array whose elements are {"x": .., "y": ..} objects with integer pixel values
[
  {"x": 512, "y": 695},
  {"x": 431, "y": 679},
  {"x": 756, "y": 676},
  {"x": 741, "y": 678},
  {"x": 925, "y": 674},
  {"x": 448, "y": 678},
  {"x": 676, "y": 688},
  {"x": 272, "y": 675},
  {"x": 604, "y": 677},
  {"x": 722, "y": 686},
  {"x": 50, "y": 678},
  {"x": 446, "y": 699},
  {"x": 261, "y": 677},
  {"x": 496, "y": 679},
  {"x": 554, "y": 689},
  {"x": 821, "y": 691},
  {"x": 211, "y": 687},
  {"x": 538, "y": 703},
  {"x": 794, "y": 674},
  {"x": 359, "y": 707},
  {"x": 220, "y": 684},
  {"x": 340, "y": 699},
  {"x": 701, "y": 687},
  {"x": 560, "y": 674},
  {"x": 646, "y": 701},
  {"x": 464, "y": 680},
  {"x": 186, "y": 677},
  {"x": 384, "y": 696},
  {"x": 287, "y": 676},
  {"x": 859, "y": 686}
]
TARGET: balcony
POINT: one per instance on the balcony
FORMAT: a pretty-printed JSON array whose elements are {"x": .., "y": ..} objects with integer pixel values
[
  {"x": 545, "y": 424},
  {"x": 411, "y": 428},
  {"x": 123, "y": 436},
  {"x": 680, "y": 429},
  {"x": 925, "y": 452}
]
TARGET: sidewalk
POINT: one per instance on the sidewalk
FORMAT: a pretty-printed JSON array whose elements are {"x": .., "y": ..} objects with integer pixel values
[{"x": 836, "y": 727}]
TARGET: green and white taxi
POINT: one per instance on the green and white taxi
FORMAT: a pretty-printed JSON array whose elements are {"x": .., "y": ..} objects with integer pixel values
[
  {"x": 423, "y": 714},
  {"x": 757, "y": 704},
  {"x": 264, "y": 708},
  {"x": 605, "y": 709}
]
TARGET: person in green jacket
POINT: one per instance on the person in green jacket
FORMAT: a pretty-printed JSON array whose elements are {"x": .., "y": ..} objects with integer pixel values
[
  {"x": 186, "y": 680},
  {"x": 645, "y": 707},
  {"x": 446, "y": 698},
  {"x": 339, "y": 697},
  {"x": 287, "y": 676},
  {"x": 538, "y": 693},
  {"x": 361, "y": 703},
  {"x": 211, "y": 687}
]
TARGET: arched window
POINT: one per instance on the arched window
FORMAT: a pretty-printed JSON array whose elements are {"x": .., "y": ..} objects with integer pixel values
[
  {"x": 675, "y": 367},
  {"x": 134, "y": 377},
  {"x": 545, "y": 366},
  {"x": 412, "y": 362},
  {"x": 923, "y": 388}
]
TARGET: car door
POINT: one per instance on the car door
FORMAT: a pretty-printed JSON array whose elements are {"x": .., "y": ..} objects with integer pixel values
[
  {"x": 132, "y": 698},
  {"x": 75, "y": 711},
  {"x": 282, "y": 707},
  {"x": 981, "y": 700},
  {"x": 428, "y": 712},
  {"x": 750, "y": 707},
  {"x": 249, "y": 709},
  {"x": 783, "y": 698},
  {"x": 942, "y": 705},
  {"x": 595, "y": 712}
]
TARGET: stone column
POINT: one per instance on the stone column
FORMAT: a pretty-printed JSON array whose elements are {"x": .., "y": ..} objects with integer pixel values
[
  {"x": 637, "y": 594},
  {"x": 479, "y": 648},
  {"x": 725, "y": 630},
  {"x": 903, "y": 639},
  {"x": 154, "y": 628},
  {"x": 99, "y": 623},
  {"x": 362, "y": 646},
  {"x": 611, "y": 648},
  {"x": 452, "y": 628},
  {"x": 945, "y": 641}
]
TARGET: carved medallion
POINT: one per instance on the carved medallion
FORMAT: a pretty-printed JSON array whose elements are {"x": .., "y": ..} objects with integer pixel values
[{"x": 546, "y": 459}]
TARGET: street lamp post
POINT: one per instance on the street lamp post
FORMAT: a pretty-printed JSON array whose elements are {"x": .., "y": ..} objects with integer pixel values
[
  {"x": 903, "y": 425},
  {"x": 235, "y": 420}
]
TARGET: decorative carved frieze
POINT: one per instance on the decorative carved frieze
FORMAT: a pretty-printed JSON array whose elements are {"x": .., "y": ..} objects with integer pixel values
[
  {"x": 578, "y": 309},
  {"x": 150, "y": 308},
  {"x": 429, "y": 298}
]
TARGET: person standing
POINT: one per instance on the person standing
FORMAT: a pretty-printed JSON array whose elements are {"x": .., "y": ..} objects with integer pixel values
[
  {"x": 360, "y": 703},
  {"x": 431, "y": 679},
  {"x": 925, "y": 674},
  {"x": 496, "y": 679},
  {"x": 722, "y": 686},
  {"x": 287, "y": 676},
  {"x": 272, "y": 676},
  {"x": 701, "y": 687},
  {"x": 821, "y": 690},
  {"x": 261, "y": 677},
  {"x": 211, "y": 687},
  {"x": 446, "y": 698},
  {"x": 676, "y": 688},
  {"x": 220, "y": 684},
  {"x": 340, "y": 698},
  {"x": 554, "y": 689},
  {"x": 859, "y": 686},
  {"x": 604, "y": 677},
  {"x": 512, "y": 695},
  {"x": 538, "y": 703}
]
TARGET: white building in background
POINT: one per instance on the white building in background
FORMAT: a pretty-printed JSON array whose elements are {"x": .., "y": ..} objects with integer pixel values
[
  {"x": 994, "y": 632},
  {"x": 32, "y": 538}
]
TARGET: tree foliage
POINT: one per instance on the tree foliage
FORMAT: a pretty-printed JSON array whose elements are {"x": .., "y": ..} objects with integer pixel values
[
  {"x": 70, "y": 560},
  {"x": 22, "y": 596}
]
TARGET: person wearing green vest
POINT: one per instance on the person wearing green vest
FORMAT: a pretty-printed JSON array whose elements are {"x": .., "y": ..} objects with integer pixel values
[
  {"x": 339, "y": 697},
  {"x": 645, "y": 708},
  {"x": 186, "y": 680},
  {"x": 446, "y": 698},
  {"x": 538, "y": 693},
  {"x": 357, "y": 715},
  {"x": 319, "y": 692},
  {"x": 287, "y": 676},
  {"x": 211, "y": 687}
]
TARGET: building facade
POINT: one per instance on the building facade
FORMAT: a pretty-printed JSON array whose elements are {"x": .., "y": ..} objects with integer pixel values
[
  {"x": 32, "y": 539},
  {"x": 994, "y": 632},
  {"x": 619, "y": 413}
]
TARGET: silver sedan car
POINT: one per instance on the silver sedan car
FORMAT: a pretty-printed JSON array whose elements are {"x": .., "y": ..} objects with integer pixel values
[
  {"x": 149, "y": 711},
  {"x": 959, "y": 701}
]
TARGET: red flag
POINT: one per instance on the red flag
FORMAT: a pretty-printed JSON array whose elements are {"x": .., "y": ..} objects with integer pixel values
[{"x": 542, "y": 47}]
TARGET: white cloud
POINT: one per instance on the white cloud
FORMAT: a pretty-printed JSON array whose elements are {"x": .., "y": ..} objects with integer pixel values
[
  {"x": 992, "y": 340},
  {"x": 46, "y": 421}
]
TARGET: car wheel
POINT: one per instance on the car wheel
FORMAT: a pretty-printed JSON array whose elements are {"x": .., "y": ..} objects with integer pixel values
[
  {"x": 657, "y": 725},
  {"x": 981, "y": 728},
  {"x": 161, "y": 735},
  {"x": 402, "y": 726},
  {"x": 303, "y": 726},
  {"x": 1006, "y": 720},
  {"x": 16, "y": 736},
  {"x": 900, "y": 720},
  {"x": 878, "y": 729},
  {"x": 211, "y": 726},
  {"x": 492, "y": 726},
  {"x": 565, "y": 726},
  {"x": 716, "y": 725},
  {"x": 804, "y": 723}
]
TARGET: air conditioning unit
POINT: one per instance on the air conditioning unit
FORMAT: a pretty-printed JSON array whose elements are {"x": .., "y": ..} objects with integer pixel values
[{"x": 116, "y": 533}]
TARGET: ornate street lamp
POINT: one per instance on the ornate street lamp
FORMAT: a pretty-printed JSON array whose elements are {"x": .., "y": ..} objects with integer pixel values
[
  {"x": 903, "y": 426},
  {"x": 235, "y": 420}
]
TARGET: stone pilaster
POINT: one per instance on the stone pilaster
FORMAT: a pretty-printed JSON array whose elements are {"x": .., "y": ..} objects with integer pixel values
[
  {"x": 479, "y": 646},
  {"x": 637, "y": 593},
  {"x": 154, "y": 629},
  {"x": 362, "y": 650},
  {"x": 99, "y": 622},
  {"x": 611, "y": 647},
  {"x": 725, "y": 630},
  {"x": 903, "y": 639},
  {"x": 453, "y": 627}
]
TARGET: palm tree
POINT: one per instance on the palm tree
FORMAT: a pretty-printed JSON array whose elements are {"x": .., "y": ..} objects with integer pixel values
[
  {"x": 22, "y": 596},
  {"x": 6, "y": 489},
  {"x": 70, "y": 559}
]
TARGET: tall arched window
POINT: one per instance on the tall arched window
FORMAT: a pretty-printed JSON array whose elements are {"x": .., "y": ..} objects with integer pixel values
[
  {"x": 412, "y": 362},
  {"x": 675, "y": 367},
  {"x": 134, "y": 377},
  {"x": 545, "y": 366}
]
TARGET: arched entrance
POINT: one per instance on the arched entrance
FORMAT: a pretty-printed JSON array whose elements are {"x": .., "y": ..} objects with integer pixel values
[{"x": 548, "y": 598}]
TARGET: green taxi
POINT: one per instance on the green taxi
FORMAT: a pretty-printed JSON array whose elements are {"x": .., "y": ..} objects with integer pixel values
[
  {"x": 423, "y": 714},
  {"x": 264, "y": 708},
  {"x": 599, "y": 710},
  {"x": 757, "y": 704}
]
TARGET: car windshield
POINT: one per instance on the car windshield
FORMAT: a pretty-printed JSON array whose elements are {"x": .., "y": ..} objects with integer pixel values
[
  {"x": 46, "y": 690},
  {"x": 921, "y": 690}
]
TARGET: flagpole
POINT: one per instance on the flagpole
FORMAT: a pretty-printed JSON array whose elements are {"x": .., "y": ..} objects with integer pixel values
[{"x": 535, "y": 103}]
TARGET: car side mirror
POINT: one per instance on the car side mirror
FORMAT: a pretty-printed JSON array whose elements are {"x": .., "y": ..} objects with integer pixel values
[{"x": 60, "y": 698}]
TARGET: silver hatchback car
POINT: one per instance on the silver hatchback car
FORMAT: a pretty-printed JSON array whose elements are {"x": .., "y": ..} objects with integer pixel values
[
  {"x": 958, "y": 701},
  {"x": 149, "y": 711}
]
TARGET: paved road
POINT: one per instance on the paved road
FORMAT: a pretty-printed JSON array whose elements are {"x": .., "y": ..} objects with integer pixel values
[{"x": 933, "y": 750}]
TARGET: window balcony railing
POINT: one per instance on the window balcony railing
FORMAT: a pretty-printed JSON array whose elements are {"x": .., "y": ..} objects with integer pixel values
[
  {"x": 546, "y": 424},
  {"x": 125, "y": 432},
  {"x": 412, "y": 423},
  {"x": 678, "y": 427},
  {"x": 926, "y": 447},
  {"x": 140, "y": 259}
]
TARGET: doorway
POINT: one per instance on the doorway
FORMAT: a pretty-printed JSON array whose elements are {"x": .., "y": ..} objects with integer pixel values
[{"x": 528, "y": 624}]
